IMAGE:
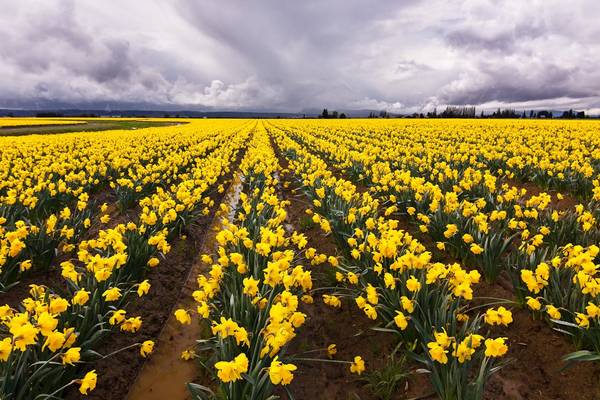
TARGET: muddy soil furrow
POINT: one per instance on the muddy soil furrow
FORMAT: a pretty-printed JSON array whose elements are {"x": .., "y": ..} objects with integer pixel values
[
  {"x": 117, "y": 373},
  {"x": 165, "y": 375}
]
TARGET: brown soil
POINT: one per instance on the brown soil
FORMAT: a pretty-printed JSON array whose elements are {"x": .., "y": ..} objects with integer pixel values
[
  {"x": 165, "y": 375},
  {"x": 117, "y": 373},
  {"x": 351, "y": 333},
  {"x": 50, "y": 278},
  {"x": 536, "y": 370},
  {"x": 568, "y": 201}
]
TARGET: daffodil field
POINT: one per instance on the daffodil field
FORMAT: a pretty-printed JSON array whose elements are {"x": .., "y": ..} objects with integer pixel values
[
  {"x": 10, "y": 122},
  {"x": 368, "y": 258}
]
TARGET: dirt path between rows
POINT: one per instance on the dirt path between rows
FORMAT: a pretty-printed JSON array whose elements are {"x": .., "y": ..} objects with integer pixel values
[{"x": 165, "y": 375}]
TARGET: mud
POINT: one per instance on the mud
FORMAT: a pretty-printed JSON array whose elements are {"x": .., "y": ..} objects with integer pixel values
[
  {"x": 116, "y": 374},
  {"x": 536, "y": 370},
  {"x": 164, "y": 375},
  {"x": 568, "y": 201}
]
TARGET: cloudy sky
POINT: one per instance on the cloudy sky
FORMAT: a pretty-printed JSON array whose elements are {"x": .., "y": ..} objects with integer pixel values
[{"x": 402, "y": 55}]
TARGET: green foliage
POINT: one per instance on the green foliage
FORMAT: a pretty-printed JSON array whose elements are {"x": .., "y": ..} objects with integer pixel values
[{"x": 385, "y": 382}]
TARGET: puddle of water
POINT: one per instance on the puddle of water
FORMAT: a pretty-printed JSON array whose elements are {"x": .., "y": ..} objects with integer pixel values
[{"x": 164, "y": 375}]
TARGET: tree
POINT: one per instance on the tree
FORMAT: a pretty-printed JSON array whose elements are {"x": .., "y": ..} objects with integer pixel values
[
  {"x": 334, "y": 114},
  {"x": 325, "y": 113},
  {"x": 342, "y": 116},
  {"x": 458, "y": 112}
]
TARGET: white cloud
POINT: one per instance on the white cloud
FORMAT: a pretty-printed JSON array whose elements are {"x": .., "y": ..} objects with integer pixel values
[
  {"x": 247, "y": 94},
  {"x": 373, "y": 104}
]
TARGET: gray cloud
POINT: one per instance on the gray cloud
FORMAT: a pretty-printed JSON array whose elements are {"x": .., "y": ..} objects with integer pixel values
[
  {"x": 398, "y": 55},
  {"x": 503, "y": 41},
  {"x": 513, "y": 83}
]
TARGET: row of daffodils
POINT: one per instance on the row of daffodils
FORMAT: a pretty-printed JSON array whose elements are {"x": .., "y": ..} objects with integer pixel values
[
  {"x": 251, "y": 293},
  {"x": 49, "y": 339},
  {"x": 463, "y": 197},
  {"x": 390, "y": 276}
]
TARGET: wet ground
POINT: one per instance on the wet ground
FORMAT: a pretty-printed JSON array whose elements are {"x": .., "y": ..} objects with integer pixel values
[{"x": 164, "y": 375}]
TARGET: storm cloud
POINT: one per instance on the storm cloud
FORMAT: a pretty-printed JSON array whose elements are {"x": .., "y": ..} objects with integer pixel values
[{"x": 402, "y": 56}]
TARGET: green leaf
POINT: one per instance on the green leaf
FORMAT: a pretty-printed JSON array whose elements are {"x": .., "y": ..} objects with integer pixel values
[{"x": 200, "y": 392}]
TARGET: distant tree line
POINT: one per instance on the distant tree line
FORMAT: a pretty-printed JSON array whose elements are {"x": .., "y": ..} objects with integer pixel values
[
  {"x": 470, "y": 112},
  {"x": 466, "y": 112},
  {"x": 333, "y": 115},
  {"x": 454, "y": 112},
  {"x": 573, "y": 114},
  {"x": 381, "y": 114},
  {"x": 49, "y": 115},
  {"x": 506, "y": 113}
]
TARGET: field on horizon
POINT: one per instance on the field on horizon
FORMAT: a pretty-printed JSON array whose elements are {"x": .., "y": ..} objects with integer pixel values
[{"x": 258, "y": 259}]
